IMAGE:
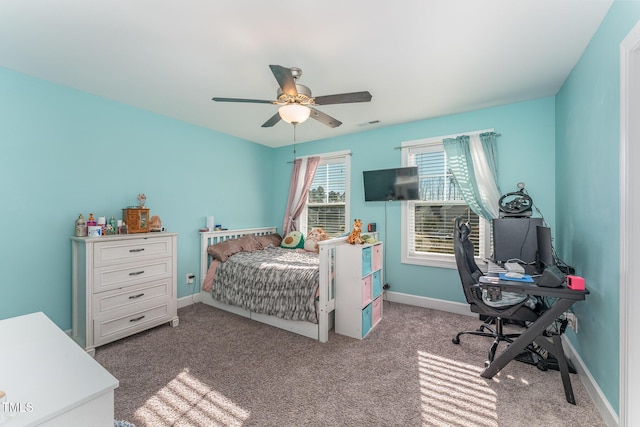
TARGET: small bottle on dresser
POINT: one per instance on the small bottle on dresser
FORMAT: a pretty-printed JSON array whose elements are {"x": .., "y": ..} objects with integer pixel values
[
  {"x": 91, "y": 222},
  {"x": 81, "y": 226}
]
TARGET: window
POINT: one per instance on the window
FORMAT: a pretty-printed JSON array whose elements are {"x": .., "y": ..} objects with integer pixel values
[
  {"x": 327, "y": 203},
  {"x": 427, "y": 224}
]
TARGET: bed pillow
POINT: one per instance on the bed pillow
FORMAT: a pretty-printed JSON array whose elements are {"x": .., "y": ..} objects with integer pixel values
[
  {"x": 269, "y": 240},
  {"x": 249, "y": 243},
  {"x": 293, "y": 240},
  {"x": 223, "y": 250}
]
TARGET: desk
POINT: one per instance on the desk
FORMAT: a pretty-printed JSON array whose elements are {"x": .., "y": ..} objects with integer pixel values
[
  {"x": 534, "y": 333},
  {"x": 48, "y": 379}
]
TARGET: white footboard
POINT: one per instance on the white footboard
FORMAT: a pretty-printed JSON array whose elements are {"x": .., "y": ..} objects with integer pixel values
[{"x": 327, "y": 285}]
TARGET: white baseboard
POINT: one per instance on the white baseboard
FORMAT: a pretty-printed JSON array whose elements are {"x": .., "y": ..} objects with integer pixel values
[
  {"x": 608, "y": 414},
  {"x": 188, "y": 300},
  {"x": 436, "y": 304}
]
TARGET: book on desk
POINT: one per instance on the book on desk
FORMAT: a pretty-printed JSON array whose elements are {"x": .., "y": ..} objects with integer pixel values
[{"x": 524, "y": 278}]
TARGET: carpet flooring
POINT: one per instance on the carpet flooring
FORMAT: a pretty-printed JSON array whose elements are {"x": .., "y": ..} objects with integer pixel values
[{"x": 218, "y": 369}]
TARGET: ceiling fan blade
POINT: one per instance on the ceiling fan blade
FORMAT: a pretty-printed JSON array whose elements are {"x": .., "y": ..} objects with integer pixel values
[
  {"x": 272, "y": 121},
  {"x": 324, "y": 118},
  {"x": 343, "y": 98},
  {"x": 285, "y": 79},
  {"x": 255, "y": 101}
]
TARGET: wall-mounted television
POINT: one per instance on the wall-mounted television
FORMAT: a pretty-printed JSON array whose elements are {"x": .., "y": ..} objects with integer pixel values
[{"x": 391, "y": 184}]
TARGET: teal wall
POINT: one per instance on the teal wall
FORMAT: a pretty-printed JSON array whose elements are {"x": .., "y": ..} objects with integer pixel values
[
  {"x": 587, "y": 191},
  {"x": 65, "y": 152},
  {"x": 525, "y": 153}
]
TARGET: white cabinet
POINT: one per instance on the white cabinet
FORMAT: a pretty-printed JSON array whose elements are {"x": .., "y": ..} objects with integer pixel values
[
  {"x": 49, "y": 380},
  {"x": 359, "y": 289},
  {"x": 122, "y": 285}
]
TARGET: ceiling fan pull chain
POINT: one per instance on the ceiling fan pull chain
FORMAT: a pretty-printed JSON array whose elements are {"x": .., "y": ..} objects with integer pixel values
[{"x": 294, "y": 141}]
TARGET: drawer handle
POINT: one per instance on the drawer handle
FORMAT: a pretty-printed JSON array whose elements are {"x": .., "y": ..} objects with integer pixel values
[
  {"x": 136, "y": 319},
  {"x": 135, "y": 296},
  {"x": 136, "y": 273},
  {"x": 136, "y": 250}
]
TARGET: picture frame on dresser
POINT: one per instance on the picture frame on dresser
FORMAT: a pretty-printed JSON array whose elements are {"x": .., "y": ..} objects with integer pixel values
[{"x": 122, "y": 285}]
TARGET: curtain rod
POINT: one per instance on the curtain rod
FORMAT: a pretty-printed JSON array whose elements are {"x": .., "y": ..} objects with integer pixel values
[
  {"x": 434, "y": 139},
  {"x": 337, "y": 156}
]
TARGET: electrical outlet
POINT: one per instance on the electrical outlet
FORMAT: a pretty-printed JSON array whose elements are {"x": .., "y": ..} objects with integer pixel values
[
  {"x": 572, "y": 321},
  {"x": 190, "y": 277}
]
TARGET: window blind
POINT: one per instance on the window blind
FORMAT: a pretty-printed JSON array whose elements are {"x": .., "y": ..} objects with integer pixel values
[
  {"x": 432, "y": 226},
  {"x": 327, "y": 199},
  {"x": 431, "y": 220}
]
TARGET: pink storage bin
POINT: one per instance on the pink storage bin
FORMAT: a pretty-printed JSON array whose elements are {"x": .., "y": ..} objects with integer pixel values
[
  {"x": 366, "y": 290},
  {"x": 376, "y": 310},
  {"x": 376, "y": 257}
]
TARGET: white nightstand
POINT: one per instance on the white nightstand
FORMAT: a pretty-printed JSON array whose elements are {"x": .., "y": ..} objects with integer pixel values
[{"x": 48, "y": 379}]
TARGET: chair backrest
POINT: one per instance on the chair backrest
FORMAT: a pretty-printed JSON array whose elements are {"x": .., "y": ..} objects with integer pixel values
[{"x": 467, "y": 268}]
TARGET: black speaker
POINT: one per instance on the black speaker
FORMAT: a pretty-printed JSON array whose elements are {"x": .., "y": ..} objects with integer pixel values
[{"x": 552, "y": 277}]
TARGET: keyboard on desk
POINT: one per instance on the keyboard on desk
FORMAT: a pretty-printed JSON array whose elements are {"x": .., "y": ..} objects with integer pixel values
[{"x": 494, "y": 267}]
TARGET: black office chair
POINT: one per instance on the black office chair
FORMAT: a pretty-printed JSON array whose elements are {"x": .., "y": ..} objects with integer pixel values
[{"x": 469, "y": 275}]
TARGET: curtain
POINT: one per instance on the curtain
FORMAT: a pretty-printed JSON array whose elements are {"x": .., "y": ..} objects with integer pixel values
[
  {"x": 474, "y": 166},
  {"x": 301, "y": 177}
]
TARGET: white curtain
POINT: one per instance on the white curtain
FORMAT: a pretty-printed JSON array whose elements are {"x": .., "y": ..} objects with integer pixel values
[
  {"x": 487, "y": 187},
  {"x": 473, "y": 163}
]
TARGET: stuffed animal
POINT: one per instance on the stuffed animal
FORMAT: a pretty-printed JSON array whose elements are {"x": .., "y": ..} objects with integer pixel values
[
  {"x": 293, "y": 240},
  {"x": 155, "y": 223},
  {"x": 311, "y": 242},
  {"x": 354, "y": 237},
  {"x": 369, "y": 239}
]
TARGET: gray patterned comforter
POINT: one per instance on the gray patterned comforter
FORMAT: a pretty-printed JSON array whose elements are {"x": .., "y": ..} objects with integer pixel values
[{"x": 274, "y": 281}]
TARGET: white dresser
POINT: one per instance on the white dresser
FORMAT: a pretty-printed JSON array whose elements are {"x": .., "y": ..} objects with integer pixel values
[
  {"x": 122, "y": 285},
  {"x": 48, "y": 380}
]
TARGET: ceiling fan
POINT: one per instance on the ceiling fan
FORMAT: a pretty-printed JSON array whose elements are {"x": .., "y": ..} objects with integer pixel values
[{"x": 296, "y": 102}]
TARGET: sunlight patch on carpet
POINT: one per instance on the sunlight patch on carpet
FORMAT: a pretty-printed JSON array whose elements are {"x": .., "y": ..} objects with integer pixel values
[
  {"x": 454, "y": 393},
  {"x": 185, "y": 400}
]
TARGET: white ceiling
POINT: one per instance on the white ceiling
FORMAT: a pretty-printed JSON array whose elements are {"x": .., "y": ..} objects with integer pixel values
[{"x": 418, "y": 58}]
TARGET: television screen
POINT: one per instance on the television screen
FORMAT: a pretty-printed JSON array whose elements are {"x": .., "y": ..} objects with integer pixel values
[{"x": 391, "y": 184}]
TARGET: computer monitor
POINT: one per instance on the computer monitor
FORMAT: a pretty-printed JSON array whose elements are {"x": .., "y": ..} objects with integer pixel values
[
  {"x": 545, "y": 248},
  {"x": 515, "y": 239}
]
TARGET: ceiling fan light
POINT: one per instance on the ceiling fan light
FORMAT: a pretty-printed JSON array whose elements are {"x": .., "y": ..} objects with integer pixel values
[{"x": 294, "y": 113}]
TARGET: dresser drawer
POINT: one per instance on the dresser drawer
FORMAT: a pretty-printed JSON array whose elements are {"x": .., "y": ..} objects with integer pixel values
[
  {"x": 109, "y": 330},
  {"x": 123, "y": 275},
  {"x": 130, "y": 250},
  {"x": 133, "y": 297}
]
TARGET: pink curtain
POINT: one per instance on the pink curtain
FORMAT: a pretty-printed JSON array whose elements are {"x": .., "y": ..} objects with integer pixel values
[{"x": 301, "y": 177}]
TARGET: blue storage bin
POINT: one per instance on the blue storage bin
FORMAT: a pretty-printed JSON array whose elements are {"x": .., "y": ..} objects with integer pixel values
[
  {"x": 366, "y": 320},
  {"x": 376, "y": 283},
  {"x": 366, "y": 261}
]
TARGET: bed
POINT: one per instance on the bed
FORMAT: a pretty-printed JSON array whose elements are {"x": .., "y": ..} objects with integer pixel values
[{"x": 313, "y": 319}]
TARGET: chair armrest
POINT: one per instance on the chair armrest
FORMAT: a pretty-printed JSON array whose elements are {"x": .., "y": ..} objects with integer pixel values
[{"x": 506, "y": 312}]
